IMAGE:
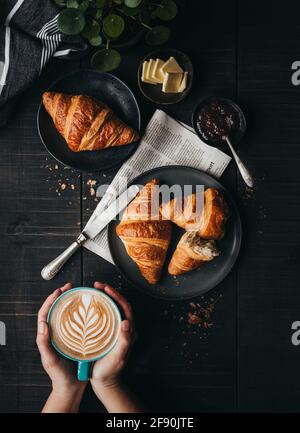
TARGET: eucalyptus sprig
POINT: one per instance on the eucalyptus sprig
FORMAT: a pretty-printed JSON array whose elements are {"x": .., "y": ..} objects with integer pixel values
[{"x": 101, "y": 22}]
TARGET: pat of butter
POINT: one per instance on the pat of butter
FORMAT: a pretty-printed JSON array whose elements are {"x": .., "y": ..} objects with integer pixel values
[
  {"x": 150, "y": 75},
  {"x": 145, "y": 73},
  {"x": 171, "y": 66},
  {"x": 172, "y": 82},
  {"x": 157, "y": 73},
  {"x": 182, "y": 86},
  {"x": 148, "y": 72}
]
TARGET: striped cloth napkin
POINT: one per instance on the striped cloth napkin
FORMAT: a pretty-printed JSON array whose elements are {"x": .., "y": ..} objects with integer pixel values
[{"x": 29, "y": 37}]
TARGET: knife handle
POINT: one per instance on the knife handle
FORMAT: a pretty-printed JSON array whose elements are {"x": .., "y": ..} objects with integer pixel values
[{"x": 50, "y": 270}]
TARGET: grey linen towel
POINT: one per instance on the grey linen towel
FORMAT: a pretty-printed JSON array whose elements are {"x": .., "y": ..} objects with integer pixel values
[{"x": 29, "y": 37}]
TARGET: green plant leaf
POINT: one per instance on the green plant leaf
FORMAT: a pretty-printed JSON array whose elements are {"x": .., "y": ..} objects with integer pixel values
[
  {"x": 84, "y": 5},
  {"x": 100, "y": 3},
  {"x": 61, "y": 2},
  {"x": 91, "y": 29},
  {"x": 132, "y": 3},
  {"x": 71, "y": 21},
  {"x": 167, "y": 10},
  {"x": 95, "y": 41},
  {"x": 98, "y": 14},
  {"x": 72, "y": 4},
  {"x": 113, "y": 25},
  {"x": 106, "y": 60},
  {"x": 118, "y": 2},
  {"x": 158, "y": 35},
  {"x": 131, "y": 12}
]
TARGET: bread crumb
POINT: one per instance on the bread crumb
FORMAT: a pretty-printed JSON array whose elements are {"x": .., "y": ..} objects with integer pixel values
[{"x": 91, "y": 182}]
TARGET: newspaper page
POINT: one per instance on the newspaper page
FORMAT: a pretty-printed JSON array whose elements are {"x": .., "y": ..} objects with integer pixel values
[{"x": 165, "y": 142}]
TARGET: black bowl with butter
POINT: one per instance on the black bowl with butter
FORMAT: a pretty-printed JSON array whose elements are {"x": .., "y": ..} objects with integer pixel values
[{"x": 154, "y": 91}]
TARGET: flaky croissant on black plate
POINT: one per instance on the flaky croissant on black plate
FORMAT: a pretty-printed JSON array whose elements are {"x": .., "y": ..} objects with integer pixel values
[
  {"x": 197, "y": 245},
  {"x": 145, "y": 238},
  {"x": 85, "y": 123}
]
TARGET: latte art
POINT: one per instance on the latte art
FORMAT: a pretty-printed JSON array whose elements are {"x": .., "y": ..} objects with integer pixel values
[{"x": 84, "y": 324}]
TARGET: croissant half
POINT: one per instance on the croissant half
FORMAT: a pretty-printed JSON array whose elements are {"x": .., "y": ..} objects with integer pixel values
[
  {"x": 191, "y": 252},
  {"x": 182, "y": 211},
  {"x": 210, "y": 224},
  {"x": 146, "y": 239},
  {"x": 85, "y": 123},
  {"x": 215, "y": 215}
]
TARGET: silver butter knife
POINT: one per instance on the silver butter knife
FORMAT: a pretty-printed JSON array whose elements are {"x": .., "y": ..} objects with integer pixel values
[{"x": 92, "y": 228}]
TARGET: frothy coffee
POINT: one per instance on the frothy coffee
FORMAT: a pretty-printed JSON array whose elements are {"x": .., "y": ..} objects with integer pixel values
[{"x": 84, "y": 324}]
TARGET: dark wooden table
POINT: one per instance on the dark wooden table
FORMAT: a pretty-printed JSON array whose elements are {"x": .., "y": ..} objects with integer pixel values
[{"x": 245, "y": 361}]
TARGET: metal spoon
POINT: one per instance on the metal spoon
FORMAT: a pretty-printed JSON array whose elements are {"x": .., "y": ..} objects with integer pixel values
[{"x": 248, "y": 179}]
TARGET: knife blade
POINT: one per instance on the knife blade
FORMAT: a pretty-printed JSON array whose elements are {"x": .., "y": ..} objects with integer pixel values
[
  {"x": 96, "y": 224},
  {"x": 91, "y": 229}
]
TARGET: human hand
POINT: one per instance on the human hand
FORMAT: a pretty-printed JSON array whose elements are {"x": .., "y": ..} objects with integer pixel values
[
  {"x": 107, "y": 370},
  {"x": 61, "y": 371}
]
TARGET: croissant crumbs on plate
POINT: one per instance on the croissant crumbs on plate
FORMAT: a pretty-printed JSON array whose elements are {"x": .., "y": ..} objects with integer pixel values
[
  {"x": 146, "y": 240},
  {"x": 85, "y": 123}
]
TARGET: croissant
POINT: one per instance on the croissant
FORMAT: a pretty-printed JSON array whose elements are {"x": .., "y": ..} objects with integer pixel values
[
  {"x": 191, "y": 252},
  {"x": 183, "y": 211},
  {"x": 145, "y": 237},
  {"x": 209, "y": 223},
  {"x": 215, "y": 215},
  {"x": 85, "y": 123}
]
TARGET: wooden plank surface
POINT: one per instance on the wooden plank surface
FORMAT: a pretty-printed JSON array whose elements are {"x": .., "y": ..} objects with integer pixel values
[
  {"x": 245, "y": 361},
  {"x": 268, "y": 282},
  {"x": 176, "y": 366},
  {"x": 38, "y": 220}
]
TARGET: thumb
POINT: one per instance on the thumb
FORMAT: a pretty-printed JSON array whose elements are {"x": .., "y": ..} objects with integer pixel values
[
  {"x": 43, "y": 343},
  {"x": 125, "y": 338}
]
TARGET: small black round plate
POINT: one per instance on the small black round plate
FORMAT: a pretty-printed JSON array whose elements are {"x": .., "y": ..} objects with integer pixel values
[
  {"x": 154, "y": 91},
  {"x": 106, "y": 88},
  {"x": 196, "y": 282},
  {"x": 242, "y": 127}
]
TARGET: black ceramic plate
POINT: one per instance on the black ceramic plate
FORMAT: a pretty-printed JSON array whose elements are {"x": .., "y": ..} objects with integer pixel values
[
  {"x": 154, "y": 92},
  {"x": 106, "y": 88},
  {"x": 196, "y": 282}
]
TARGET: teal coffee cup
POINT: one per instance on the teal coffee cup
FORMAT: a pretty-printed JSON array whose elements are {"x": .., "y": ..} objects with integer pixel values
[{"x": 84, "y": 326}]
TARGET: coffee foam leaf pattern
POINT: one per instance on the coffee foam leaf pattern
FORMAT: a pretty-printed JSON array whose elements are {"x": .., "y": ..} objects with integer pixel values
[{"x": 85, "y": 326}]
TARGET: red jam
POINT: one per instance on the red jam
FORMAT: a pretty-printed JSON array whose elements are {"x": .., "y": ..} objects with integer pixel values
[{"x": 218, "y": 120}]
